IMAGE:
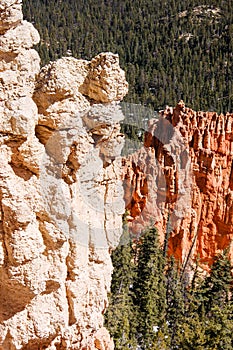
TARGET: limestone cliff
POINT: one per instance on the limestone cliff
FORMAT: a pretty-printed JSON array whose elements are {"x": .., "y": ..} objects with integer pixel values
[
  {"x": 182, "y": 182},
  {"x": 61, "y": 195}
]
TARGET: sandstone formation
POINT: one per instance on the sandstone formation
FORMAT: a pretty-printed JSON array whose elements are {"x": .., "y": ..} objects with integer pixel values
[
  {"x": 61, "y": 194},
  {"x": 181, "y": 181}
]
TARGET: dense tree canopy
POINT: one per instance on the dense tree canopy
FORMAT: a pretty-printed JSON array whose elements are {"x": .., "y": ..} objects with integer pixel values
[{"x": 171, "y": 50}]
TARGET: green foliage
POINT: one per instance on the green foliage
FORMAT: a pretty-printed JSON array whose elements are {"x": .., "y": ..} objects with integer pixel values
[
  {"x": 150, "y": 290},
  {"x": 170, "y": 50},
  {"x": 207, "y": 323},
  {"x": 215, "y": 305},
  {"x": 151, "y": 307},
  {"x": 119, "y": 318},
  {"x": 216, "y": 287}
]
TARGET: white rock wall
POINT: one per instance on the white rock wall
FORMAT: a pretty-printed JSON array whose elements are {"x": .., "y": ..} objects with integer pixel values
[{"x": 61, "y": 195}]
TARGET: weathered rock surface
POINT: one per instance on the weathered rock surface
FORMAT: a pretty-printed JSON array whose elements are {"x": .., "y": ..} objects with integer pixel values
[
  {"x": 105, "y": 80},
  {"x": 182, "y": 182},
  {"x": 10, "y": 14},
  {"x": 61, "y": 194}
]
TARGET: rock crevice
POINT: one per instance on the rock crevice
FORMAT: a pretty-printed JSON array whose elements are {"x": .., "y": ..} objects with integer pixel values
[{"x": 60, "y": 189}]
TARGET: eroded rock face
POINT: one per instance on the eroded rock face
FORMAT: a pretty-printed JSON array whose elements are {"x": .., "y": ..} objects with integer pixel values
[
  {"x": 182, "y": 182},
  {"x": 105, "y": 80},
  {"x": 61, "y": 194}
]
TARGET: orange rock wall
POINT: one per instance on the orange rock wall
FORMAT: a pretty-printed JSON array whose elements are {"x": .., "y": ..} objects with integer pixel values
[{"x": 190, "y": 201}]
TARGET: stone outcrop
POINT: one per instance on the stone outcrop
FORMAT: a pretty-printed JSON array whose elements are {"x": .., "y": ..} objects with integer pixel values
[
  {"x": 181, "y": 181},
  {"x": 61, "y": 194}
]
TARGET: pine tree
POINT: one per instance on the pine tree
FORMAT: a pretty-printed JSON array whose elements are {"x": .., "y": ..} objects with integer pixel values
[
  {"x": 216, "y": 299},
  {"x": 207, "y": 322},
  {"x": 175, "y": 301},
  {"x": 150, "y": 291},
  {"x": 120, "y": 317},
  {"x": 190, "y": 334}
]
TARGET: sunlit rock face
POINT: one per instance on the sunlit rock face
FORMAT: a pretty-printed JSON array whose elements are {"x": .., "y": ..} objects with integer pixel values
[
  {"x": 61, "y": 194},
  {"x": 181, "y": 181}
]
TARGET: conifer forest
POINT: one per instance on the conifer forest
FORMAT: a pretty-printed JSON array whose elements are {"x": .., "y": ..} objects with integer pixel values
[{"x": 170, "y": 50}]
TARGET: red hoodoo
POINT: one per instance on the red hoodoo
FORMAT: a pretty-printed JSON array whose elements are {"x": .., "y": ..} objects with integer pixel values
[{"x": 181, "y": 181}]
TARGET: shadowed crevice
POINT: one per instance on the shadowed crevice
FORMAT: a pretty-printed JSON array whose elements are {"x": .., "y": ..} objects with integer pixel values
[{"x": 13, "y": 296}]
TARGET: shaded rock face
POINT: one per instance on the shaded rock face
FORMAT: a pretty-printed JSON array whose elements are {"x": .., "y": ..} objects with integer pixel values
[
  {"x": 181, "y": 181},
  {"x": 61, "y": 194}
]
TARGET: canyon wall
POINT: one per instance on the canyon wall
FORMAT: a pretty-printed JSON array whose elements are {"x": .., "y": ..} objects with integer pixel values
[
  {"x": 181, "y": 181},
  {"x": 61, "y": 194},
  {"x": 61, "y": 190}
]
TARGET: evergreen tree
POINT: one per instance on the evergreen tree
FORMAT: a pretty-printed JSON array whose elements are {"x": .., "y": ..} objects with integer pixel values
[
  {"x": 190, "y": 335},
  {"x": 215, "y": 294},
  {"x": 120, "y": 317},
  {"x": 209, "y": 313},
  {"x": 175, "y": 301},
  {"x": 150, "y": 292}
]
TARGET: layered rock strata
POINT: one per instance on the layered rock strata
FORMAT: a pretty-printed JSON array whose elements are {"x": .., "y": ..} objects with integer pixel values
[
  {"x": 181, "y": 181},
  {"x": 61, "y": 195}
]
